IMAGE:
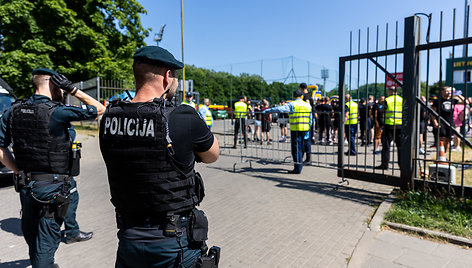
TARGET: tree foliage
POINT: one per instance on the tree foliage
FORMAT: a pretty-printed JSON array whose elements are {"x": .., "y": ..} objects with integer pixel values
[
  {"x": 80, "y": 38},
  {"x": 222, "y": 87}
]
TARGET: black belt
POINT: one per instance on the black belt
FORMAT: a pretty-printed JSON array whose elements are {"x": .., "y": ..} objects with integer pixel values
[
  {"x": 145, "y": 221},
  {"x": 48, "y": 177}
]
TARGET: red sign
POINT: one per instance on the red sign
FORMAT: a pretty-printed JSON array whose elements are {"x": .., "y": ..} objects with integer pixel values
[{"x": 389, "y": 81}]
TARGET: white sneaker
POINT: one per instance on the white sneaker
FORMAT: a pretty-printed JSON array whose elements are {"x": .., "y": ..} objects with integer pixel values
[
  {"x": 421, "y": 151},
  {"x": 456, "y": 149},
  {"x": 345, "y": 142}
]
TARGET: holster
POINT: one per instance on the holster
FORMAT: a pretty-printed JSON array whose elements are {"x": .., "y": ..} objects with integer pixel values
[
  {"x": 61, "y": 203},
  {"x": 19, "y": 181},
  {"x": 209, "y": 260}
]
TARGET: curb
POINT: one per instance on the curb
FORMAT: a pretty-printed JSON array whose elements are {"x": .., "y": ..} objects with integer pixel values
[{"x": 450, "y": 238}]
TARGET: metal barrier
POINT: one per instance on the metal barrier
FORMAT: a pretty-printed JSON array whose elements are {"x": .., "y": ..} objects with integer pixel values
[{"x": 274, "y": 145}]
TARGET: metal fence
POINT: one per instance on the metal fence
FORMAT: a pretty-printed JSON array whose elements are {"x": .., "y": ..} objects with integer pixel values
[
  {"x": 266, "y": 138},
  {"x": 410, "y": 169}
]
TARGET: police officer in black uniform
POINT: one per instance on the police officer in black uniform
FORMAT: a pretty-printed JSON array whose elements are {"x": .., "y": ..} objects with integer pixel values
[
  {"x": 150, "y": 148},
  {"x": 38, "y": 129}
]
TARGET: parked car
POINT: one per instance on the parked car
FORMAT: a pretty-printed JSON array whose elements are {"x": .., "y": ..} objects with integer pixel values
[{"x": 5, "y": 103}]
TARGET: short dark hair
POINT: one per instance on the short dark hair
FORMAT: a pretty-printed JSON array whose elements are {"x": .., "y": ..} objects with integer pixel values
[
  {"x": 297, "y": 93},
  {"x": 303, "y": 86}
]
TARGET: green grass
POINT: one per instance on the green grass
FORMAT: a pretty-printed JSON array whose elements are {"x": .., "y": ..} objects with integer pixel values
[{"x": 421, "y": 209}]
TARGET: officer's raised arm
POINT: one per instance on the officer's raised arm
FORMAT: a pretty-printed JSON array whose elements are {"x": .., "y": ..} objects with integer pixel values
[{"x": 62, "y": 82}]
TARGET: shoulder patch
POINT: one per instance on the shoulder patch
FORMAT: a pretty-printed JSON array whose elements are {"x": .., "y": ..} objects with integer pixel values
[{"x": 72, "y": 105}]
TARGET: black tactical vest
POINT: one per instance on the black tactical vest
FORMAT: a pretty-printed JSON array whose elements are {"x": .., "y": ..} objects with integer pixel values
[
  {"x": 36, "y": 150},
  {"x": 143, "y": 178}
]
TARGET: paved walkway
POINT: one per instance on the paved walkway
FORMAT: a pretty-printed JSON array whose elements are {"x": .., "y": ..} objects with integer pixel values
[
  {"x": 393, "y": 249},
  {"x": 260, "y": 217}
]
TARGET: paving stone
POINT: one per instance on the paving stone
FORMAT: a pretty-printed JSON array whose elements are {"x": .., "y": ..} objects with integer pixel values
[{"x": 419, "y": 259}]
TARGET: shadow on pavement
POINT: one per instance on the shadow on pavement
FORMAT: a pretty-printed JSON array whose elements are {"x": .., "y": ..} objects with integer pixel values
[
  {"x": 348, "y": 193},
  {"x": 17, "y": 264},
  {"x": 6, "y": 180},
  {"x": 11, "y": 225}
]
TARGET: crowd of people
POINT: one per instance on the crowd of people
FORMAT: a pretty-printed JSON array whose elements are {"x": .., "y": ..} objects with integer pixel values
[{"x": 371, "y": 121}]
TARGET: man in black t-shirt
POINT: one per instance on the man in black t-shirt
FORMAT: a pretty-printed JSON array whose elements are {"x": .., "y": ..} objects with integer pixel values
[
  {"x": 377, "y": 113},
  {"x": 150, "y": 149},
  {"x": 444, "y": 106}
]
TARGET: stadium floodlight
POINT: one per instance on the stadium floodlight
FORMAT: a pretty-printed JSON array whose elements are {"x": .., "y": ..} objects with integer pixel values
[{"x": 158, "y": 36}]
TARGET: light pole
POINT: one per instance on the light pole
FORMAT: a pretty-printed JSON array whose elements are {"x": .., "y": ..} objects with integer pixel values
[
  {"x": 158, "y": 36},
  {"x": 183, "y": 61},
  {"x": 324, "y": 76}
]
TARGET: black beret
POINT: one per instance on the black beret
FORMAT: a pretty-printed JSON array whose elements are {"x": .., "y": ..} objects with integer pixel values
[
  {"x": 157, "y": 56},
  {"x": 43, "y": 71},
  {"x": 297, "y": 93}
]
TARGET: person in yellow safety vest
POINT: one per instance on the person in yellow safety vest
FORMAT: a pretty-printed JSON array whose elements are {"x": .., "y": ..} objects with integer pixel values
[
  {"x": 189, "y": 100},
  {"x": 350, "y": 123},
  {"x": 240, "y": 112},
  {"x": 392, "y": 125},
  {"x": 300, "y": 119},
  {"x": 205, "y": 113}
]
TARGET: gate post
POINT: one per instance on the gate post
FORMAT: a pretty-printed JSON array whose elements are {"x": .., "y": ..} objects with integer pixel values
[
  {"x": 341, "y": 116},
  {"x": 411, "y": 65}
]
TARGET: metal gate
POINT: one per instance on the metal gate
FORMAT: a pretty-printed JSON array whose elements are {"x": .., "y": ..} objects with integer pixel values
[{"x": 412, "y": 170}]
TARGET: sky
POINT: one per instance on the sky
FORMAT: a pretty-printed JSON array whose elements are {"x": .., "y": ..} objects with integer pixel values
[{"x": 262, "y": 36}]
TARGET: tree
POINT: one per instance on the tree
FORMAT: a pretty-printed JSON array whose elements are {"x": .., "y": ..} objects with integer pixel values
[{"x": 81, "y": 39}]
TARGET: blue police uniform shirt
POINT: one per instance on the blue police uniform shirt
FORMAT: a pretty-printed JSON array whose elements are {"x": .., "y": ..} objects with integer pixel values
[{"x": 60, "y": 118}]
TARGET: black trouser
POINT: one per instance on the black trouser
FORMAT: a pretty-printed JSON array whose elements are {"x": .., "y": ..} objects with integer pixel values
[
  {"x": 387, "y": 137},
  {"x": 240, "y": 123}
]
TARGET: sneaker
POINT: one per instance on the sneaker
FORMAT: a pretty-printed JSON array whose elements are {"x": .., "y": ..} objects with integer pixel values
[
  {"x": 457, "y": 149},
  {"x": 282, "y": 139},
  {"x": 378, "y": 152},
  {"x": 345, "y": 142},
  {"x": 421, "y": 151}
]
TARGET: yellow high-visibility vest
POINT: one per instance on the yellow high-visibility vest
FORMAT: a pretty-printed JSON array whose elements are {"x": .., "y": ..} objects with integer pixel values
[
  {"x": 240, "y": 109},
  {"x": 300, "y": 118},
  {"x": 206, "y": 115},
  {"x": 353, "y": 113},
  {"x": 393, "y": 113},
  {"x": 192, "y": 104}
]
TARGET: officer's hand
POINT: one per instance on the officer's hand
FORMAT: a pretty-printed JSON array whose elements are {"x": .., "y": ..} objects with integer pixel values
[{"x": 61, "y": 81}]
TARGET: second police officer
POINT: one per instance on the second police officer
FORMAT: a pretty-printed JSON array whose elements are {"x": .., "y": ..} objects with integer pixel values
[
  {"x": 150, "y": 148},
  {"x": 38, "y": 127}
]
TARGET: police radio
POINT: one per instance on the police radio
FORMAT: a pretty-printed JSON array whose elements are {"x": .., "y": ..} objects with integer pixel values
[{"x": 75, "y": 158}]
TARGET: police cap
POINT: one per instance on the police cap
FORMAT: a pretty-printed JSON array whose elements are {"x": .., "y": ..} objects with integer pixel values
[
  {"x": 157, "y": 56},
  {"x": 189, "y": 94},
  {"x": 43, "y": 71}
]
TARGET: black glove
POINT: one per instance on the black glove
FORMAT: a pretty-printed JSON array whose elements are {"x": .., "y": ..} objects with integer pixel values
[{"x": 61, "y": 81}]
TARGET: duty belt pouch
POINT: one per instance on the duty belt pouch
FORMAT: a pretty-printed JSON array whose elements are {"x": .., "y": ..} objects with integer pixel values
[
  {"x": 199, "y": 187},
  {"x": 62, "y": 203},
  {"x": 197, "y": 227},
  {"x": 75, "y": 159}
]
